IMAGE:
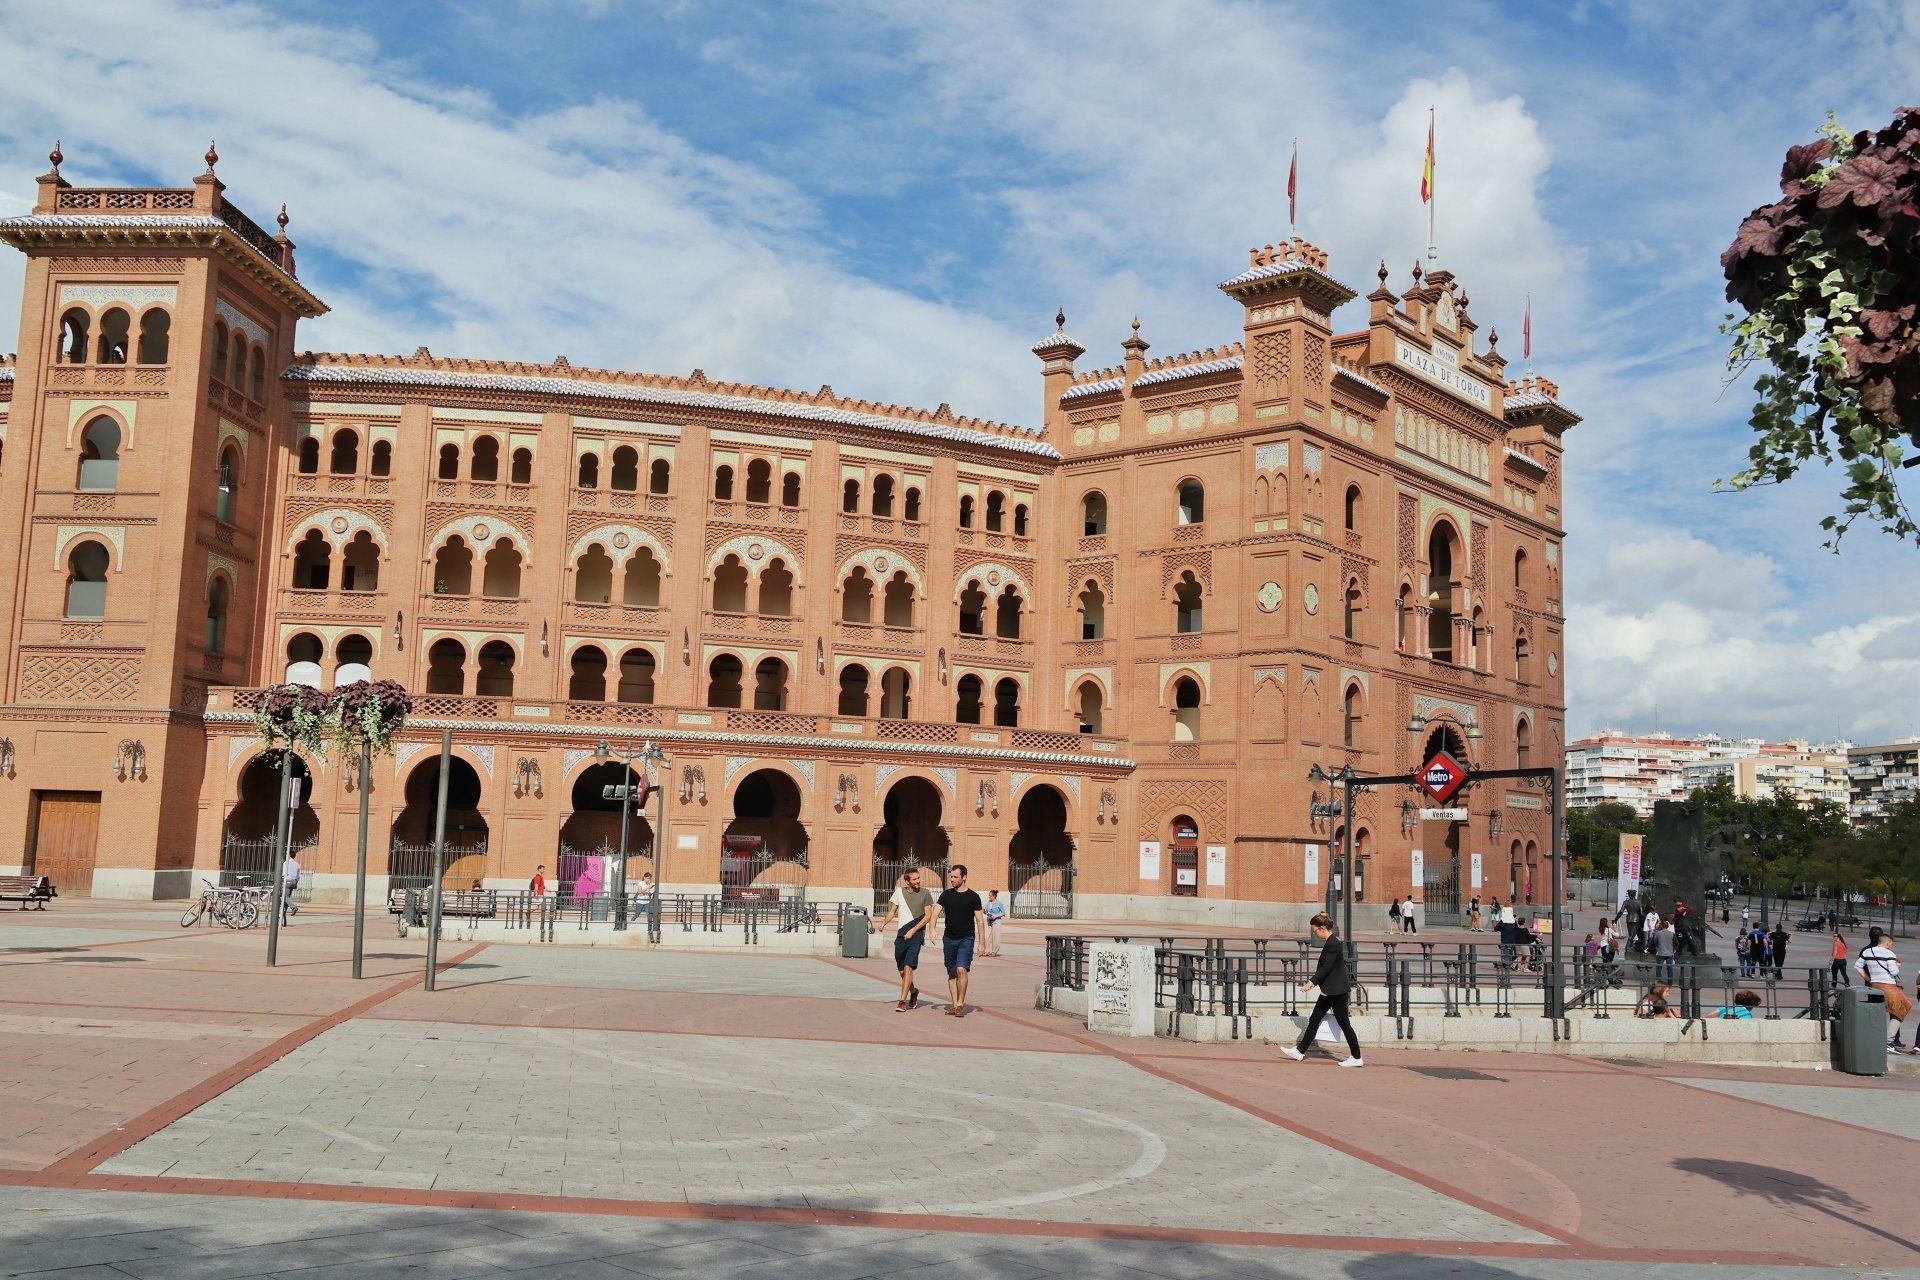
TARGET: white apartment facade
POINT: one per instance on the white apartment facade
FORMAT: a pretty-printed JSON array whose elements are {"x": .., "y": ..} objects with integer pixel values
[{"x": 1880, "y": 777}]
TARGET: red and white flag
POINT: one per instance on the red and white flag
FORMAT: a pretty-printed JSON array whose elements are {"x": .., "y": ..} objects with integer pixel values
[{"x": 1293, "y": 176}]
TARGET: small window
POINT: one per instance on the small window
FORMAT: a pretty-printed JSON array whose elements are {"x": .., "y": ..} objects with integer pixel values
[
  {"x": 115, "y": 327},
  {"x": 383, "y": 458},
  {"x": 1353, "y": 508},
  {"x": 759, "y": 482},
  {"x": 660, "y": 477},
  {"x": 522, "y": 472},
  {"x": 312, "y": 562},
  {"x": 87, "y": 581},
  {"x": 966, "y": 511},
  {"x": 996, "y": 511},
  {"x": 237, "y": 364},
  {"x": 723, "y": 484},
  {"x": 966, "y": 703},
  {"x": 216, "y": 630},
  {"x": 99, "y": 455},
  {"x": 219, "y": 352},
  {"x": 1020, "y": 520},
  {"x": 447, "y": 667},
  {"x": 227, "y": 495},
  {"x": 346, "y": 453},
  {"x": 883, "y": 496},
  {"x": 485, "y": 466},
  {"x": 76, "y": 328},
  {"x": 155, "y": 327},
  {"x": 1006, "y": 704},
  {"x": 1186, "y": 710},
  {"x": 625, "y": 477},
  {"x": 588, "y": 475},
  {"x": 911, "y": 508},
  {"x": 850, "y": 498},
  {"x": 1093, "y": 515},
  {"x": 1187, "y": 616},
  {"x": 309, "y": 460},
  {"x": 1193, "y": 503},
  {"x": 495, "y": 676},
  {"x": 257, "y": 376},
  {"x": 790, "y": 489},
  {"x": 449, "y": 461}
]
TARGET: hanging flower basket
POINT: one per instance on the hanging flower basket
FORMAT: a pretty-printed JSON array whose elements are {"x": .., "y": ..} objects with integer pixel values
[
  {"x": 370, "y": 712},
  {"x": 292, "y": 716}
]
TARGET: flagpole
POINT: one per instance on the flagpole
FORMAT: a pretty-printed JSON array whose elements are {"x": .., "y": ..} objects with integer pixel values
[
  {"x": 1293, "y": 174},
  {"x": 1433, "y": 167},
  {"x": 1528, "y": 335}
]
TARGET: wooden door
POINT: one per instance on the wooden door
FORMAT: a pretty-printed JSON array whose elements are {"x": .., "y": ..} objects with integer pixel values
[{"x": 65, "y": 828}]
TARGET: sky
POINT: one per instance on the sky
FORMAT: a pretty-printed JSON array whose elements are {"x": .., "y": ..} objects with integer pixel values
[{"x": 892, "y": 199}]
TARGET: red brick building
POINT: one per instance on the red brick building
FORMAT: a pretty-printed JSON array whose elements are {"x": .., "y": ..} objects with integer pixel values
[{"x": 863, "y": 633}]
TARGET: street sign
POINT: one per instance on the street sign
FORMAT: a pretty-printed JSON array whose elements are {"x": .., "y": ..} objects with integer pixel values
[
  {"x": 1441, "y": 777},
  {"x": 1443, "y": 815},
  {"x": 637, "y": 792}
]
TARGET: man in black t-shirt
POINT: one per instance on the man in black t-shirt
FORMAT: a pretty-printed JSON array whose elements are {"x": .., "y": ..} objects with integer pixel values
[{"x": 965, "y": 917}]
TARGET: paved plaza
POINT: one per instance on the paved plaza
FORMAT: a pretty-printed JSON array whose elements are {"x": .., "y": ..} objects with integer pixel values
[{"x": 170, "y": 1106}]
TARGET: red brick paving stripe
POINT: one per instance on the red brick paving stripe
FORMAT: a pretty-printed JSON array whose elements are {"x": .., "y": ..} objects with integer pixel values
[
  {"x": 143, "y": 1126},
  {"x": 1769, "y": 1106},
  {"x": 1571, "y": 1250}
]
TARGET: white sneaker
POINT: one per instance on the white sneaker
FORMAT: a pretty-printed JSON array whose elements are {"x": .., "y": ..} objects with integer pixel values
[
  {"x": 1291, "y": 1052},
  {"x": 1352, "y": 1062}
]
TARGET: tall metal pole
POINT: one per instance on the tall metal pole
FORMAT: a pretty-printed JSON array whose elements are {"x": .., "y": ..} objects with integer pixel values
[
  {"x": 360, "y": 862},
  {"x": 283, "y": 833},
  {"x": 620, "y": 864},
  {"x": 1346, "y": 860},
  {"x": 439, "y": 857},
  {"x": 1556, "y": 987},
  {"x": 659, "y": 854}
]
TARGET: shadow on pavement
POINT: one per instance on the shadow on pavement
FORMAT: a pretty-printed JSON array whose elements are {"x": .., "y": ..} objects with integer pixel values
[{"x": 1797, "y": 1190}]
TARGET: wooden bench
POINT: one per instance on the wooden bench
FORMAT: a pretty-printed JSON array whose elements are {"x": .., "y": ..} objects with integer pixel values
[
  {"x": 27, "y": 889},
  {"x": 478, "y": 904}
]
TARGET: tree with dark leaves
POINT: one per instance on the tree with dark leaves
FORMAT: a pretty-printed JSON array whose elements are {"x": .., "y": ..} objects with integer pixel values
[{"x": 1829, "y": 278}]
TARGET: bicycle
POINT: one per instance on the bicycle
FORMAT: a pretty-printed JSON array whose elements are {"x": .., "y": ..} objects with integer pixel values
[{"x": 234, "y": 908}]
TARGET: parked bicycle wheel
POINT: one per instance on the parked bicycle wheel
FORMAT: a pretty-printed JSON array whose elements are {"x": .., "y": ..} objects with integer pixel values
[
  {"x": 191, "y": 916},
  {"x": 244, "y": 914}
]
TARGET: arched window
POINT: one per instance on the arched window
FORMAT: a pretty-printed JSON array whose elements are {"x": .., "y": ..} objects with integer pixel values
[
  {"x": 76, "y": 328},
  {"x": 219, "y": 369},
  {"x": 1093, "y": 515},
  {"x": 1092, "y": 708},
  {"x": 723, "y": 682},
  {"x": 382, "y": 458},
  {"x": 850, "y": 498},
  {"x": 227, "y": 495},
  {"x": 1093, "y": 612},
  {"x": 973, "y": 609},
  {"x": 723, "y": 483},
  {"x": 790, "y": 489},
  {"x": 1474, "y": 632},
  {"x": 449, "y": 461},
  {"x": 1519, "y": 568},
  {"x": 996, "y": 511},
  {"x": 898, "y": 606},
  {"x": 1351, "y": 711},
  {"x": 1351, "y": 614},
  {"x": 1521, "y": 652},
  {"x": 587, "y": 474},
  {"x": 353, "y": 650},
  {"x": 1523, "y": 744},
  {"x": 522, "y": 472},
  {"x": 345, "y": 457},
  {"x": 776, "y": 589},
  {"x": 360, "y": 564},
  {"x": 305, "y": 647},
  {"x": 494, "y": 679},
  {"x": 660, "y": 477},
  {"x": 156, "y": 327},
  {"x": 770, "y": 685},
  {"x": 1006, "y": 613},
  {"x": 115, "y": 327},
  {"x": 910, "y": 509},
  {"x": 730, "y": 586},
  {"x": 1442, "y": 546},
  {"x": 237, "y": 363},
  {"x": 966, "y": 511},
  {"x": 99, "y": 455},
  {"x": 896, "y": 694},
  {"x": 257, "y": 376},
  {"x": 453, "y": 568},
  {"x": 1006, "y": 704},
  {"x": 625, "y": 477},
  {"x": 1020, "y": 520},
  {"x": 447, "y": 667},
  {"x": 593, "y": 576},
  {"x": 502, "y": 578},
  {"x": 485, "y": 465},
  {"x": 636, "y": 677},
  {"x": 883, "y": 495},
  {"x": 760, "y": 481},
  {"x": 309, "y": 459},
  {"x": 1192, "y": 508},
  {"x": 856, "y": 597},
  {"x": 853, "y": 690},
  {"x": 1403, "y": 618},
  {"x": 312, "y": 562},
  {"x": 966, "y": 703},
  {"x": 87, "y": 580},
  {"x": 587, "y": 674},
  {"x": 1186, "y": 710},
  {"x": 641, "y": 590},
  {"x": 1353, "y": 508},
  {"x": 1187, "y": 617}
]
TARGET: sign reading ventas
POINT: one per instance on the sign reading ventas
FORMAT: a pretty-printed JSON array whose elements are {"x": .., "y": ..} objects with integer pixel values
[{"x": 1442, "y": 777}]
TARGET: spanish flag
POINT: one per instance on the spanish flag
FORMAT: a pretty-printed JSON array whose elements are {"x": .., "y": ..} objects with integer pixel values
[{"x": 1426, "y": 169}]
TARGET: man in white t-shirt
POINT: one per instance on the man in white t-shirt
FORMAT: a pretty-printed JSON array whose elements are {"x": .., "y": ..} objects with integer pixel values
[
  {"x": 1879, "y": 967},
  {"x": 1406, "y": 916},
  {"x": 1648, "y": 928}
]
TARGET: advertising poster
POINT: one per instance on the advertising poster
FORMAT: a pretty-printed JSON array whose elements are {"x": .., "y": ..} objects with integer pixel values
[
  {"x": 1313, "y": 864},
  {"x": 1419, "y": 870},
  {"x": 1150, "y": 860},
  {"x": 1629, "y": 870},
  {"x": 1217, "y": 865},
  {"x": 1474, "y": 864}
]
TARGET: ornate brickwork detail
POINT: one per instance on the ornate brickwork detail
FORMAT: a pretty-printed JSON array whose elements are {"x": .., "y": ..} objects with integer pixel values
[
  {"x": 132, "y": 295},
  {"x": 483, "y": 752},
  {"x": 1314, "y": 366},
  {"x": 237, "y": 747},
  {"x": 81, "y": 633},
  {"x": 756, "y": 552},
  {"x": 571, "y": 757},
  {"x": 1480, "y": 582},
  {"x": 734, "y": 765},
  {"x": 1271, "y": 457},
  {"x": 1078, "y": 571},
  {"x": 951, "y": 777},
  {"x": 1272, "y": 364},
  {"x": 217, "y": 563},
  {"x": 993, "y": 577},
  {"x": 1175, "y": 563},
  {"x": 482, "y": 531},
  {"x": 1204, "y": 801},
  {"x": 299, "y": 507},
  {"x": 405, "y": 752},
  {"x": 881, "y": 563},
  {"x": 113, "y": 535},
  {"x": 621, "y": 541},
  {"x": 79, "y": 677},
  {"x": 1269, "y": 703},
  {"x": 1407, "y": 532},
  {"x": 880, "y": 775}
]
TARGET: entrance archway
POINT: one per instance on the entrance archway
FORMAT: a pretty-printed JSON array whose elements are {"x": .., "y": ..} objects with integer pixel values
[
  {"x": 1040, "y": 858},
  {"x": 763, "y": 853},
  {"x": 590, "y": 838},
  {"x": 1183, "y": 846},
  {"x": 410, "y": 849},
  {"x": 909, "y": 836},
  {"x": 249, "y": 846}
]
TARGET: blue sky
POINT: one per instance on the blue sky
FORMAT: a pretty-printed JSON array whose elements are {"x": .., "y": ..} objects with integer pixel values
[{"x": 892, "y": 199}]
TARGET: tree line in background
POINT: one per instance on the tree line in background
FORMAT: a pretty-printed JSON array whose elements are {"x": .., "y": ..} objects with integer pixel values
[{"x": 1778, "y": 844}]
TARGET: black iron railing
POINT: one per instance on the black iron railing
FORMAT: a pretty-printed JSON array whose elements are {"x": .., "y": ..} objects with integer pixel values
[{"x": 545, "y": 915}]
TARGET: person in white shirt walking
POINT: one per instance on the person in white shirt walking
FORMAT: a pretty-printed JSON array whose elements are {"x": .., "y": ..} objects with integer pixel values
[
  {"x": 1406, "y": 916},
  {"x": 289, "y": 881},
  {"x": 1880, "y": 968}
]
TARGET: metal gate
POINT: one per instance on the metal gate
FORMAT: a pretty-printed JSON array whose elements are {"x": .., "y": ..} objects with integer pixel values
[
  {"x": 586, "y": 873},
  {"x": 1441, "y": 894},
  {"x": 887, "y": 873},
  {"x": 1040, "y": 890},
  {"x": 762, "y": 876},
  {"x": 256, "y": 860},
  {"x": 410, "y": 866}
]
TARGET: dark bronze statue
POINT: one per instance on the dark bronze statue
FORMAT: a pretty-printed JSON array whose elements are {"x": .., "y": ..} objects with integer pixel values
[{"x": 1677, "y": 870}]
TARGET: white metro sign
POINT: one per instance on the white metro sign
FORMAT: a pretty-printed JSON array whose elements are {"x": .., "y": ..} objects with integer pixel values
[{"x": 1441, "y": 374}]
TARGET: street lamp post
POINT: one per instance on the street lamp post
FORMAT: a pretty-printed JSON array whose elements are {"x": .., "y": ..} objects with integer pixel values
[
  {"x": 649, "y": 754},
  {"x": 1344, "y": 775}
]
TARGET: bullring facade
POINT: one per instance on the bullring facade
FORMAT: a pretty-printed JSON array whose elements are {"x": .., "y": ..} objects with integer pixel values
[{"x": 1097, "y": 656}]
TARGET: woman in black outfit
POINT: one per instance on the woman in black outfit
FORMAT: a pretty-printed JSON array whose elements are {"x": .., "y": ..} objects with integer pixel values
[{"x": 1335, "y": 985}]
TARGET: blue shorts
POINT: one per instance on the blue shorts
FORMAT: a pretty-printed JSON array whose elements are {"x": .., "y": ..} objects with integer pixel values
[
  {"x": 959, "y": 954},
  {"x": 906, "y": 951}
]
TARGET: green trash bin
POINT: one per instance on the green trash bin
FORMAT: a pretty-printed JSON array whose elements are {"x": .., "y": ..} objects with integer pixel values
[
  {"x": 856, "y": 928},
  {"x": 1860, "y": 1041}
]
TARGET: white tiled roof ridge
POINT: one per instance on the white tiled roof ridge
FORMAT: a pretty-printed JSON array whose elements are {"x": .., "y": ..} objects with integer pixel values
[
  {"x": 200, "y": 220},
  {"x": 1222, "y": 364},
  {"x": 1027, "y": 442},
  {"x": 1092, "y": 388},
  {"x": 1272, "y": 270},
  {"x": 1528, "y": 400},
  {"x": 1058, "y": 338}
]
